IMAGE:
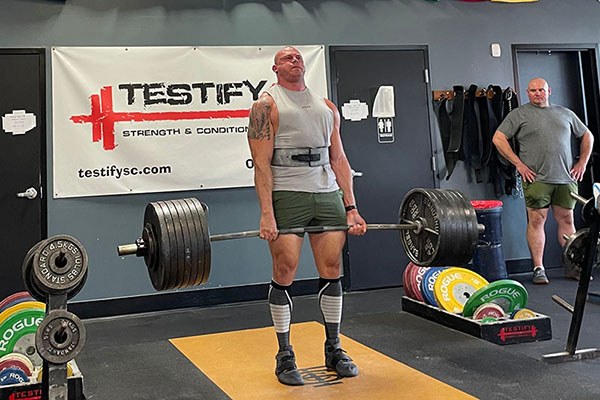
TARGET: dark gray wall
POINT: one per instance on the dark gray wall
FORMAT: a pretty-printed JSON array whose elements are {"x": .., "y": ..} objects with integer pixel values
[{"x": 458, "y": 34}]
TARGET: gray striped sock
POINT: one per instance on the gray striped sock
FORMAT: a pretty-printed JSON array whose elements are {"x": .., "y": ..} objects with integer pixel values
[
  {"x": 330, "y": 303},
  {"x": 280, "y": 304}
]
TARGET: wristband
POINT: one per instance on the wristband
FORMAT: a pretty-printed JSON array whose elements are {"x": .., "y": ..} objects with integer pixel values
[{"x": 350, "y": 207}]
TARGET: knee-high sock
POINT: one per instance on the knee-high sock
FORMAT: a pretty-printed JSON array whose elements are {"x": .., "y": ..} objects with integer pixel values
[
  {"x": 330, "y": 302},
  {"x": 280, "y": 303}
]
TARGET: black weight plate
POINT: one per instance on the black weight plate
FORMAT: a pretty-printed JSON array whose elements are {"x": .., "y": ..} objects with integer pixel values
[
  {"x": 201, "y": 221},
  {"x": 172, "y": 262},
  {"x": 59, "y": 264},
  {"x": 151, "y": 254},
  {"x": 573, "y": 254},
  {"x": 420, "y": 247},
  {"x": 178, "y": 230},
  {"x": 60, "y": 337},
  {"x": 160, "y": 268},
  {"x": 27, "y": 274},
  {"x": 453, "y": 228},
  {"x": 457, "y": 221},
  {"x": 588, "y": 211},
  {"x": 207, "y": 245},
  {"x": 462, "y": 221},
  {"x": 187, "y": 234},
  {"x": 472, "y": 237},
  {"x": 446, "y": 231},
  {"x": 186, "y": 256},
  {"x": 201, "y": 228},
  {"x": 73, "y": 292},
  {"x": 196, "y": 244}
]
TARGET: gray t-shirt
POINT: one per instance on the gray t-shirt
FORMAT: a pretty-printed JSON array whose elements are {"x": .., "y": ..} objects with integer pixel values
[
  {"x": 305, "y": 121},
  {"x": 544, "y": 137}
]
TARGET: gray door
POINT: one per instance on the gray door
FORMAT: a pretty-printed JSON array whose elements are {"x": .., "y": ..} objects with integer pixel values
[
  {"x": 565, "y": 72},
  {"x": 391, "y": 165},
  {"x": 22, "y": 85}
]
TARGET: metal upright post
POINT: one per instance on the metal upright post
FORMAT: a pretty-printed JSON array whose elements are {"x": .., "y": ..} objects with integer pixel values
[
  {"x": 571, "y": 353},
  {"x": 584, "y": 283}
]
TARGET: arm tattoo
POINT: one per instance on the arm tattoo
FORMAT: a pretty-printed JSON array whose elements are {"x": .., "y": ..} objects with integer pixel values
[{"x": 260, "y": 124}]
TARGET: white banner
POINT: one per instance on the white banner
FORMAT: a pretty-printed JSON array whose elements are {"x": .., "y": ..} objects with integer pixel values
[{"x": 154, "y": 119}]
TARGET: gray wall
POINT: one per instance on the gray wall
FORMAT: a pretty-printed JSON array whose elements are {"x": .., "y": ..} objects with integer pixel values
[{"x": 458, "y": 35}]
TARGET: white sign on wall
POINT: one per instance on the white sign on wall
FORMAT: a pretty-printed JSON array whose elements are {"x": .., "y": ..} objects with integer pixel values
[{"x": 154, "y": 119}]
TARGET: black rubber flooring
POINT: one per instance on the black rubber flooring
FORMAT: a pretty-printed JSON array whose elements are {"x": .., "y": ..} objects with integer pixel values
[{"x": 130, "y": 357}]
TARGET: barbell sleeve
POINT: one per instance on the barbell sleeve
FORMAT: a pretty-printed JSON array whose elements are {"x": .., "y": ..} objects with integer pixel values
[
  {"x": 579, "y": 198},
  {"x": 127, "y": 249},
  {"x": 563, "y": 303}
]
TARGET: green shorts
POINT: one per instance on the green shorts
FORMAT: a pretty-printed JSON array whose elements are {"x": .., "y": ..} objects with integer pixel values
[
  {"x": 302, "y": 209},
  {"x": 541, "y": 195}
]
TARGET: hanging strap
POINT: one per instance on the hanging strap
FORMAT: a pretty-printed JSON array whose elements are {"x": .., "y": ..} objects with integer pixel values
[
  {"x": 472, "y": 133},
  {"x": 456, "y": 126},
  {"x": 485, "y": 127},
  {"x": 444, "y": 122}
]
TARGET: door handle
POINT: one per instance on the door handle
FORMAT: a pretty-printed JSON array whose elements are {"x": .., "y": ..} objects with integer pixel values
[
  {"x": 356, "y": 173},
  {"x": 30, "y": 193}
]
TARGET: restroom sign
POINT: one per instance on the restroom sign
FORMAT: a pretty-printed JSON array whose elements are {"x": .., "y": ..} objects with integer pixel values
[{"x": 385, "y": 130}]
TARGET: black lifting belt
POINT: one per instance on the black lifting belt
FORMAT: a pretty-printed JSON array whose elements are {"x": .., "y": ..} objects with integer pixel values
[
  {"x": 494, "y": 95},
  {"x": 472, "y": 148},
  {"x": 496, "y": 101},
  {"x": 454, "y": 149},
  {"x": 456, "y": 126},
  {"x": 488, "y": 124},
  {"x": 503, "y": 104},
  {"x": 444, "y": 123}
]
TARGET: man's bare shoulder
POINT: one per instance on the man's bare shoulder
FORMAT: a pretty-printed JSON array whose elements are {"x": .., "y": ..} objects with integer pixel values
[
  {"x": 264, "y": 99},
  {"x": 329, "y": 103},
  {"x": 260, "y": 126}
]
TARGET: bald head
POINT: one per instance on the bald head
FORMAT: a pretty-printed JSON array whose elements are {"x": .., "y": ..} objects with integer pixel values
[
  {"x": 538, "y": 92},
  {"x": 289, "y": 68},
  {"x": 283, "y": 51}
]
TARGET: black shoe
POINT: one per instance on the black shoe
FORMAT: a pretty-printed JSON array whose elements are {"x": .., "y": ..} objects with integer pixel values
[
  {"x": 337, "y": 360},
  {"x": 286, "y": 369}
]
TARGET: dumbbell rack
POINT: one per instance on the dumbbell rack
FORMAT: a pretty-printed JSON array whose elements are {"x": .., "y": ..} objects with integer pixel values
[
  {"x": 54, "y": 376},
  {"x": 55, "y": 384},
  {"x": 591, "y": 214},
  {"x": 54, "y": 270}
]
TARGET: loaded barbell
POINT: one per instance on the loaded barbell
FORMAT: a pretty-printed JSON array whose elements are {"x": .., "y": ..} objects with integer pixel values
[
  {"x": 437, "y": 227},
  {"x": 576, "y": 244}
]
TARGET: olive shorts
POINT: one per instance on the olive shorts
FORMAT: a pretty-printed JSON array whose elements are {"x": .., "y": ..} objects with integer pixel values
[
  {"x": 542, "y": 195},
  {"x": 302, "y": 209}
]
